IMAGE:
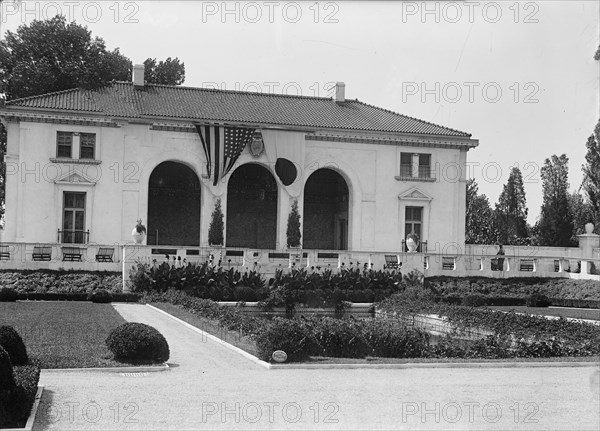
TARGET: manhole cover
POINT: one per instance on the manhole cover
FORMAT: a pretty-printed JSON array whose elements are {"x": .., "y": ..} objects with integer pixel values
[{"x": 134, "y": 374}]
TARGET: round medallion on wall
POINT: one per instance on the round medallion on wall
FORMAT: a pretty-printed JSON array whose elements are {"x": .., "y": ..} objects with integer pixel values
[{"x": 257, "y": 146}]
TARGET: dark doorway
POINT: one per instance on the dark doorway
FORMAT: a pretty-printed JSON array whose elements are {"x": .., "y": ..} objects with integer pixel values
[
  {"x": 173, "y": 205},
  {"x": 325, "y": 211},
  {"x": 252, "y": 208}
]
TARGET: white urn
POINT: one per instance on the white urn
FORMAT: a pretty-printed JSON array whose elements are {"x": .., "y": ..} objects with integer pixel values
[
  {"x": 411, "y": 244},
  {"x": 589, "y": 228},
  {"x": 138, "y": 237}
]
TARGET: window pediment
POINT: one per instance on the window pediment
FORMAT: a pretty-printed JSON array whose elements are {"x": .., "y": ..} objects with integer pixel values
[
  {"x": 73, "y": 178},
  {"x": 414, "y": 194}
]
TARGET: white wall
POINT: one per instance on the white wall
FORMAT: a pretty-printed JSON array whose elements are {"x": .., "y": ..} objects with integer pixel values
[{"x": 117, "y": 191}]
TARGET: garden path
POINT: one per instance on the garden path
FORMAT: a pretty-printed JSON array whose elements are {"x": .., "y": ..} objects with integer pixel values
[{"x": 211, "y": 387}]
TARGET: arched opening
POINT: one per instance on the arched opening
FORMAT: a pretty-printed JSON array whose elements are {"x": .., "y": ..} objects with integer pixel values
[
  {"x": 251, "y": 208},
  {"x": 325, "y": 211},
  {"x": 173, "y": 205}
]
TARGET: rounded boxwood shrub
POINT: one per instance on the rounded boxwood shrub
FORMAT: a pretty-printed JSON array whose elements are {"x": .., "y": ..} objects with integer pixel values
[
  {"x": 134, "y": 341},
  {"x": 100, "y": 296},
  {"x": 8, "y": 294},
  {"x": 12, "y": 342}
]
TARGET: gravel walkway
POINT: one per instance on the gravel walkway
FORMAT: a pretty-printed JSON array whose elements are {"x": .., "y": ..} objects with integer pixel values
[{"x": 211, "y": 387}]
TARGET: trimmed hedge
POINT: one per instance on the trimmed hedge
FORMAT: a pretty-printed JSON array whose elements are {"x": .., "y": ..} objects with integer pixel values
[
  {"x": 16, "y": 404},
  {"x": 8, "y": 294},
  {"x": 115, "y": 297},
  {"x": 135, "y": 342},
  {"x": 12, "y": 342},
  {"x": 100, "y": 296}
]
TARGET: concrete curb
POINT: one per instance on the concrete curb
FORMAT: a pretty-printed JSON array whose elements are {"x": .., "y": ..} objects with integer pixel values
[
  {"x": 432, "y": 365},
  {"x": 140, "y": 369},
  {"x": 216, "y": 339},
  {"x": 32, "y": 414}
]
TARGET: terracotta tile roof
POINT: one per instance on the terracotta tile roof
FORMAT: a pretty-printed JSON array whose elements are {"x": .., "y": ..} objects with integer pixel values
[{"x": 122, "y": 100}]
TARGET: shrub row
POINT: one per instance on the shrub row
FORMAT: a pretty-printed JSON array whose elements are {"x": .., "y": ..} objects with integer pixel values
[
  {"x": 580, "y": 339},
  {"x": 342, "y": 338},
  {"x": 201, "y": 280},
  {"x": 8, "y": 294},
  {"x": 47, "y": 281},
  {"x": 314, "y": 287},
  {"x": 327, "y": 288},
  {"x": 555, "y": 289}
]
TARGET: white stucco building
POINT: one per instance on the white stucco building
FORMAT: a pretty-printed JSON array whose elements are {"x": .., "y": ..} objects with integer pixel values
[{"x": 83, "y": 166}]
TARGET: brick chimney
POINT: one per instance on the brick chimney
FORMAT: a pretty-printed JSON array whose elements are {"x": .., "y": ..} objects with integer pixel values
[
  {"x": 340, "y": 92},
  {"x": 138, "y": 76}
]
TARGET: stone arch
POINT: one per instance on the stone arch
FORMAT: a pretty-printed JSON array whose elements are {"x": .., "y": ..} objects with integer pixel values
[
  {"x": 252, "y": 196},
  {"x": 173, "y": 205},
  {"x": 326, "y": 211}
]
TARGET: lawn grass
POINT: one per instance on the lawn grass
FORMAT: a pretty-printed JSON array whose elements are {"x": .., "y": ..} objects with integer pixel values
[
  {"x": 63, "y": 334},
  {"x": 210, "y": 326},
  {"x": 576, "y": 313}
]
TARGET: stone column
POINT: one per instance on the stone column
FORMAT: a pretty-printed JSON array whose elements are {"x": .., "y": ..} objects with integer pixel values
[{"x": 587, "y": 243}]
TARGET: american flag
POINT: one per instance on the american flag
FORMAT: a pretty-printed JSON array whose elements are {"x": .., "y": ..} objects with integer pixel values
[{"x": 222, "y": 146}]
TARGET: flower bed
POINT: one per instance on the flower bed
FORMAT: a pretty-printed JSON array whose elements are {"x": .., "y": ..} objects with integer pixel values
[{"x": 47, "y": 281}]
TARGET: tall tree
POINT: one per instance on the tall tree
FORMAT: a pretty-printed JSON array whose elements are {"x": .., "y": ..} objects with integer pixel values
[
  {"x": 591, "y": 176},
  {"x": 480, "y": 227},
  {"x": 511, "y": 211},
  {"x": 555, "y": 226},
  {"x": 168, "y": 72},
  {"x": 54, "y": 55},
  {"x": 581, "y": 213}
]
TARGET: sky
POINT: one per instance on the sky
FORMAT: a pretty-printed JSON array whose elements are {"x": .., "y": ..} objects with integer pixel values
[{"x": 519, "y": 76}]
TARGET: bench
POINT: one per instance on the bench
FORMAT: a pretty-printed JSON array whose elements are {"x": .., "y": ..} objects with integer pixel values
[
  {"x": 105, "y": 254},
  {"x": 4, "y": 252},
  {"x": 448, "y": 263},
  {"x": 71, "y": 254},
  {"x": 41, "y": 253},
  {"x": 392, "y": 261}
]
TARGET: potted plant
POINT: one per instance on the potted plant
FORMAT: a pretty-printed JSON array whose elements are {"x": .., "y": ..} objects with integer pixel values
[
  {"x": 139, "y": 232},
  {"x": 293, "y": 227},
  {"x": 215, "y": 229},
  {"x": 412, "y": 242}
]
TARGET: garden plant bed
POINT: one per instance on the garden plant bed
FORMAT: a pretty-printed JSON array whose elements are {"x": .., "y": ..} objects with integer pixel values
[
  {"x": 64, "y": 334},
  {"x": 575, "y": 313}
]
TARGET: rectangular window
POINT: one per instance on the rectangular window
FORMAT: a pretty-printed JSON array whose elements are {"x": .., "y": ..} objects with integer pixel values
[
  {"x": 87, "y": 145},
  {"x": 406, "y": 164},
  {"x": 64, "y": 144},
  {"x": 424, "y": 165},
  {"x": 413, "y": 220},
  {"x": 74, "y": 218}
]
